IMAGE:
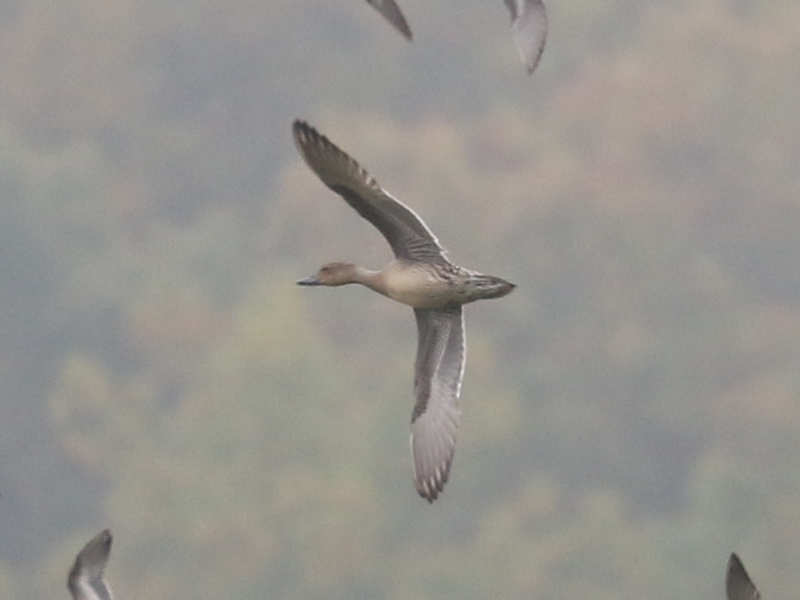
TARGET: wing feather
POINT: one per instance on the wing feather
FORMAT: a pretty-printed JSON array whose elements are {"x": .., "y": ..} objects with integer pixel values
[
  {"x": 529, "y": 30},
  {"x": 405, "y": 231},
  {"x": 85, "y": 580},
  {"x": 438, "y": 372},
  {"x": 392, "y": 13},
  {"x": 738, "y": 585}
]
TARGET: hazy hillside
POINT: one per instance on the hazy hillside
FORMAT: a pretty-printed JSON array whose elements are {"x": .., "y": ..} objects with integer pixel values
[{"x": 631, "y": 411}]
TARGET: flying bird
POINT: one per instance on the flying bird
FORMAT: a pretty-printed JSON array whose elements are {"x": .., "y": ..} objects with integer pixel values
[
  {"x": 85, "y": 580},
  {"x": 420, "y": 276},
  {"x": 529, "y": 30},
  {"x": 738, "y": 585},
  {"x": 393, "y": 14}
]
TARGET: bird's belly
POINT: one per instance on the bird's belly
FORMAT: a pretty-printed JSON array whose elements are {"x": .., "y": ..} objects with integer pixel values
[{"x": 418, "y": 288}]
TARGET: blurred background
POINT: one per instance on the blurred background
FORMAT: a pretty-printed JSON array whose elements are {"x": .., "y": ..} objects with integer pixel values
[{"x": 631, "y": 411}]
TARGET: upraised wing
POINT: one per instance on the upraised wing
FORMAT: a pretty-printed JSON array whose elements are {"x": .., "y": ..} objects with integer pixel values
[
  {"x": 439, "y": 369},
  {"x": 85, "y": 580},
  {"x": 405, "y": 231},
  {"x": 738, "y": 585}
]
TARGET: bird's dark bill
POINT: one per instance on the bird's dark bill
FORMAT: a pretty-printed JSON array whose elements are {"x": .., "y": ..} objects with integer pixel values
[{"x": 312, "y": 280}]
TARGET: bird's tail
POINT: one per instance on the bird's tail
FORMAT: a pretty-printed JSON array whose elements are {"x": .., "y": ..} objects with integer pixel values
[{"x": 489, "y": 286}]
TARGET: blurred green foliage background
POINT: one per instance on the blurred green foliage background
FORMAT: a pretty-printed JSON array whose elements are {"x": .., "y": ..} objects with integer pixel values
[{"x": 631, "y": 412}]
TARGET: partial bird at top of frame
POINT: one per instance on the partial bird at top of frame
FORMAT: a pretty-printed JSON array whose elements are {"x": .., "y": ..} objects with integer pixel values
[
  {"x": 528, "y": 26},
  {"x": 85, "y": 580}
]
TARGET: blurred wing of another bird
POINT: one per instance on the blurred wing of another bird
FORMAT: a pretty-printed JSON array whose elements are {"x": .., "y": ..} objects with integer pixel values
[
  {"x": 85, "y": 580},
  {"x": 529, "y": 30},
  {"x": 439, "y": 370},
  {"x": 738, "y": 585},
  {"x": 393, "y": 14}
]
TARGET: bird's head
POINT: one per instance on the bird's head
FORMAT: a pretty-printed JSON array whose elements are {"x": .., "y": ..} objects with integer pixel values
[{"x": 335, "y": 273}]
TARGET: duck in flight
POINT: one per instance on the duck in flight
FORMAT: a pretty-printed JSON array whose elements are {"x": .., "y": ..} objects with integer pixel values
[
  {"x": 420, "y": 276},
  {"x": 528, "y": 26},
  {"x": 738, "y": 585},
  {"x": 85, "y": 580}
]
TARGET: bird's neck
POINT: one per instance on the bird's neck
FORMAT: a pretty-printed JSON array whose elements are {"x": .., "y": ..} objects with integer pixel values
[{"x": 369, "y": 278}]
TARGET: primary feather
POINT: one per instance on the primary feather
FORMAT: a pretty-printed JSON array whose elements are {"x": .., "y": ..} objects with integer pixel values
[
  {"x": 738, "y": 585},
  {"x": 393, "y": 14}
]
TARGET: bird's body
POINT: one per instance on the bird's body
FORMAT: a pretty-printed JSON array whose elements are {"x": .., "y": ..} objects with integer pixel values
[
  {"x": 424, "y": 285},
  {"x": 420, "y": 276},
  {"x": 417, "y": 284},
  {"x": 85, "y": 580}
]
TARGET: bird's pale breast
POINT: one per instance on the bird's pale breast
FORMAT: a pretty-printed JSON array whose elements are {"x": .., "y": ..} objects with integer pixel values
[{"x": 417, "y": 285}]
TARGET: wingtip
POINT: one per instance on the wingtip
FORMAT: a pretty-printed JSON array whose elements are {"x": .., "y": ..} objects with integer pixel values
[
  {"x": 531, "y": 66},
  {"x": 529, "y": 31},
  {"x": 431, "y": 486},
  {"x": 303, "y": 134},
  {"x": 300, "y": 126},
  {"x": 427, "y": 492},
  {"x": 104, "y": 540},
  {"x": 735, "y": 564},
  {"x": 738, "y": 584},
  {"x": 429, "y": 498},
  {"x": 394, "y": 16}
]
